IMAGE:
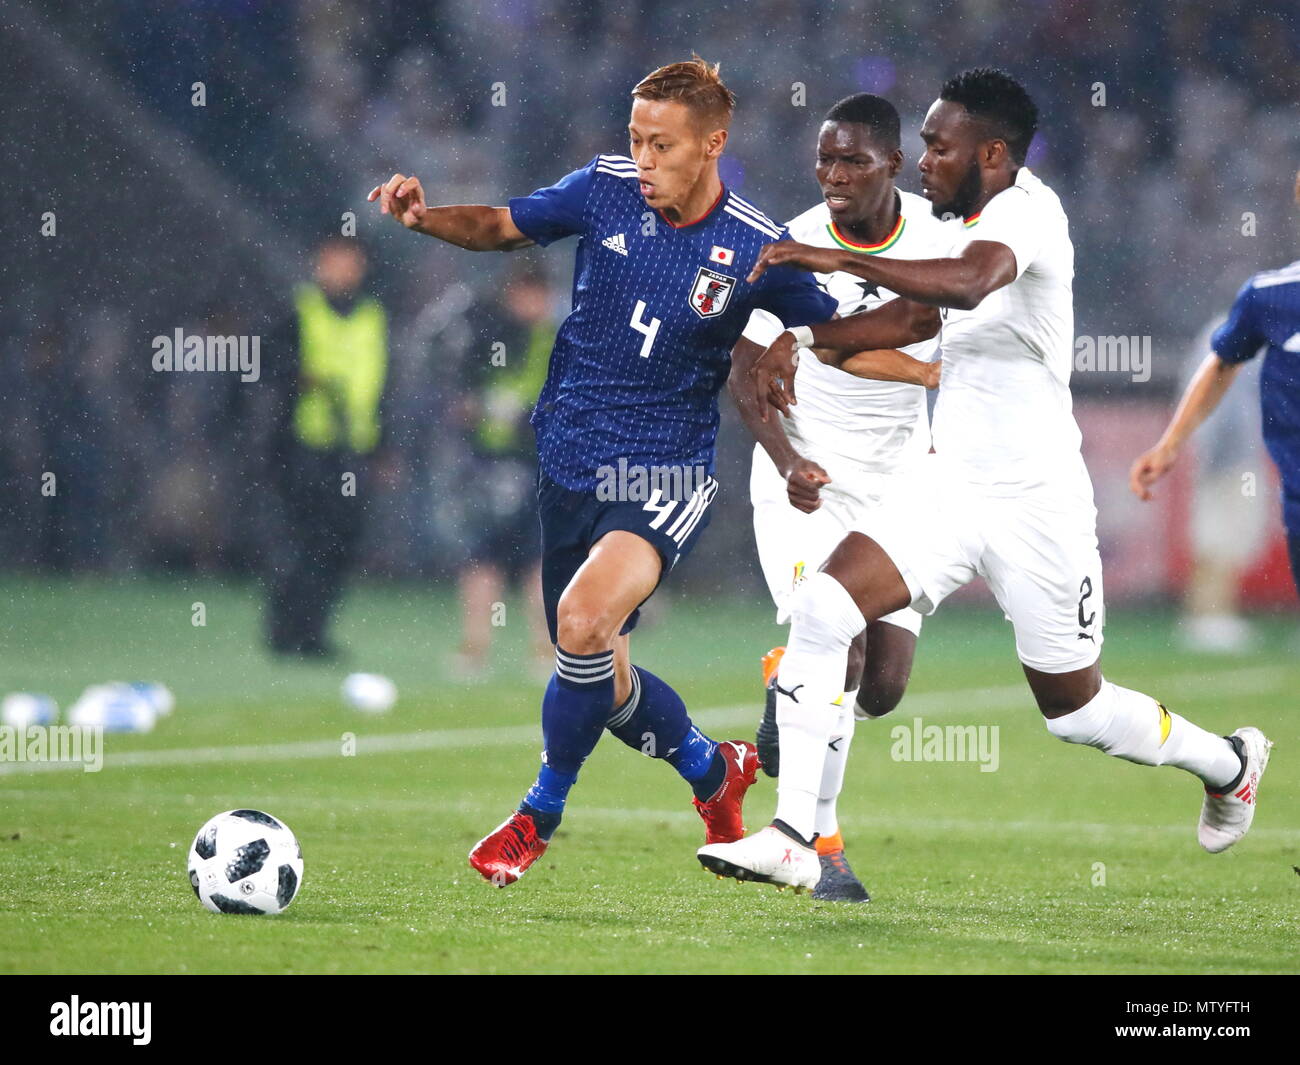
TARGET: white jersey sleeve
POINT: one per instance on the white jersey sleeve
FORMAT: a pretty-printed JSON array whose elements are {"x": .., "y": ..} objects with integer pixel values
[
  {"x": 763, "y": 327},
  {"x": 1011, "y": 219}
]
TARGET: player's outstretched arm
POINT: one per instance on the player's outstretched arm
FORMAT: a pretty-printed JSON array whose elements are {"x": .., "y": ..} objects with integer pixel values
[
  {"x": 471, "y": 226},
  {"x": 961, "y": 281},
  {"x": 1203, "y": 393},
  {"x": 895, "y": 324},
  {"x": 803, "y": 477},
  {"x": 889, "y": 365}
]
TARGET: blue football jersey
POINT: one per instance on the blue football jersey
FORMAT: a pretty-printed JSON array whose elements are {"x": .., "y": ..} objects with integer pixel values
[
  {"x": 637, "y": 365},
  {"x": 1266, "y": 314}
]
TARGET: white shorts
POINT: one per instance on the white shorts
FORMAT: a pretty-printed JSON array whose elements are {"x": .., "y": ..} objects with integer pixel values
[
  {"x": 792, "y": 545},
  {"x": 1037, "y": 550}
]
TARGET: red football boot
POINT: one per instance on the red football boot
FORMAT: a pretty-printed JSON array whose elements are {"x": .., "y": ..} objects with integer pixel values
[
  {"x": 723, "y": 820},
  {"x": 505, "y": 855}
]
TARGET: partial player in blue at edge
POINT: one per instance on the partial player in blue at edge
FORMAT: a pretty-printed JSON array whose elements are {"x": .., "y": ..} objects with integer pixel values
[{"x": 1265, "y": 317}]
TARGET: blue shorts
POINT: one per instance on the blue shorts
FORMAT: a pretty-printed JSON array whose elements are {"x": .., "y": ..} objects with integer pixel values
[{"x": 572, "y": 522}]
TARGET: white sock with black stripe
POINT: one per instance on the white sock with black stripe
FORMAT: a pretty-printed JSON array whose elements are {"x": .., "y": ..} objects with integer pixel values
[
  {"x": 824, "y": 622},
  {"x": 837, "y": 758},
  {"x": 1129, "y": 725}
]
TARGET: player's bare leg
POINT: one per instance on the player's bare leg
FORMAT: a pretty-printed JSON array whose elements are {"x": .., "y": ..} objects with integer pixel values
[
  {"x": 647, "y": 714},
  {"x": 1083, "y": 707},
  {"x": 886, "y": 669},
  {"x": 858, "y": 583},
  {"x": 481, "y": 585},
  {"x": 595, "y": 687},
  {"x": 531, "y": 586},
  {"x": 621, "y": 570}
]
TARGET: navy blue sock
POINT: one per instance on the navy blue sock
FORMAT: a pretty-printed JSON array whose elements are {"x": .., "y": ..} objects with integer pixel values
[
  {"x": 654, "y": 721},
  {"x": 545, "y": 800},
  {"x": 574, "y": 711}
]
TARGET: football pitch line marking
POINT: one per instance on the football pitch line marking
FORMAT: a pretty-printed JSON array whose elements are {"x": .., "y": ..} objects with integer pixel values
[
  {"x": 361, "y": 807},
  {"x": 1011, "y": 697}
]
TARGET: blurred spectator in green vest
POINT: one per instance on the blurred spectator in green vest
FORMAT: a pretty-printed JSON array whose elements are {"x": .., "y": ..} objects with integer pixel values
[
  {"x": 329, "y": 363},
  {"x": 505, "y": 367}
]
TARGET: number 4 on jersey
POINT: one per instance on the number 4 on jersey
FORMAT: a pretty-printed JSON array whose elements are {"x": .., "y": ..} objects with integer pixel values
[{"x": 650, "y": 328}]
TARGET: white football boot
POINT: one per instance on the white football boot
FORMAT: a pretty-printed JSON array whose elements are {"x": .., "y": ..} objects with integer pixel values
[
  {"x": 768, "y": 857},
  {"x": 1226, "y": 818}
]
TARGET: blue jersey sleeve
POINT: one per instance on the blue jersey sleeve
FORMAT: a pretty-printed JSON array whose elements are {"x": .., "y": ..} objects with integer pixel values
[
  {"x": 556, "y": 211},
  {"x": 793, "y": 296},
  {"x": 1239, "y": 338}
]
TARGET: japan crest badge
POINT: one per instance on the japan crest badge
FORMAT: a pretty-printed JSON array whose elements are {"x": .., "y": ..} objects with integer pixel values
[{"x": 710, "y": 293}]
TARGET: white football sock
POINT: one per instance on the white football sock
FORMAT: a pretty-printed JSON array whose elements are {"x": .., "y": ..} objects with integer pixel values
[
  {"x": 1133, "y": 726},
  {"x": 825, "y": 620},
  {"x": 837, "y": 757}
]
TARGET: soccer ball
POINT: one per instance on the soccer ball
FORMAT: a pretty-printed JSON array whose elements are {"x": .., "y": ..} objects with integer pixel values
[{"x": 245, "y": 861}]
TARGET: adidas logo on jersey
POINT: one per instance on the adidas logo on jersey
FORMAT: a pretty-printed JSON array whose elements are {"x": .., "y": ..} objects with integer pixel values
[{"x": 615, "y": 243}]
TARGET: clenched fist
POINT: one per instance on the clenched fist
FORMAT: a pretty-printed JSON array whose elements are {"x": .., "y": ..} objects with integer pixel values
[{"x": 803, "y": 484}]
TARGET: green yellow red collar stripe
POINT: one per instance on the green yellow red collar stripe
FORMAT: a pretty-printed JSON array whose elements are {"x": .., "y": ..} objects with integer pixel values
[
  {"x": 867, "y": 249},
  {"x": 972, "y": 220}
]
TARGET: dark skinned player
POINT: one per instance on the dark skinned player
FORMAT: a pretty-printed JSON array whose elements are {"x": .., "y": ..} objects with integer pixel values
[
  {"x": 849, "y": 438},
  {"x": 1005, "y": 496}
]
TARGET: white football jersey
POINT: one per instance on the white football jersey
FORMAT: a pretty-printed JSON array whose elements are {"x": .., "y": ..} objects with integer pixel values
[
  {"x": 1004, "y": 417},
  {"x": 869, "y": 423}
]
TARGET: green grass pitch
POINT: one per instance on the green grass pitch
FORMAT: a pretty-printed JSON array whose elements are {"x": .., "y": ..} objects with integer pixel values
[{"x": 1060, "y": 861}]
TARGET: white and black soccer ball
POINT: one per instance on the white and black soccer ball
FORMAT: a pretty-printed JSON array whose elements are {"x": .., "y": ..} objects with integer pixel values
[{"x": 245, "y": 861}]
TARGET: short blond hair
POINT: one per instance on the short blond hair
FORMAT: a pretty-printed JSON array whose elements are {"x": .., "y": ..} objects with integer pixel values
[{"x": 694, "y": 83}]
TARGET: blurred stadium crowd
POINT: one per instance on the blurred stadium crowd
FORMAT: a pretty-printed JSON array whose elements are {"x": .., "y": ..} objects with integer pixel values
[{"x": 1163, "y": 126}]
